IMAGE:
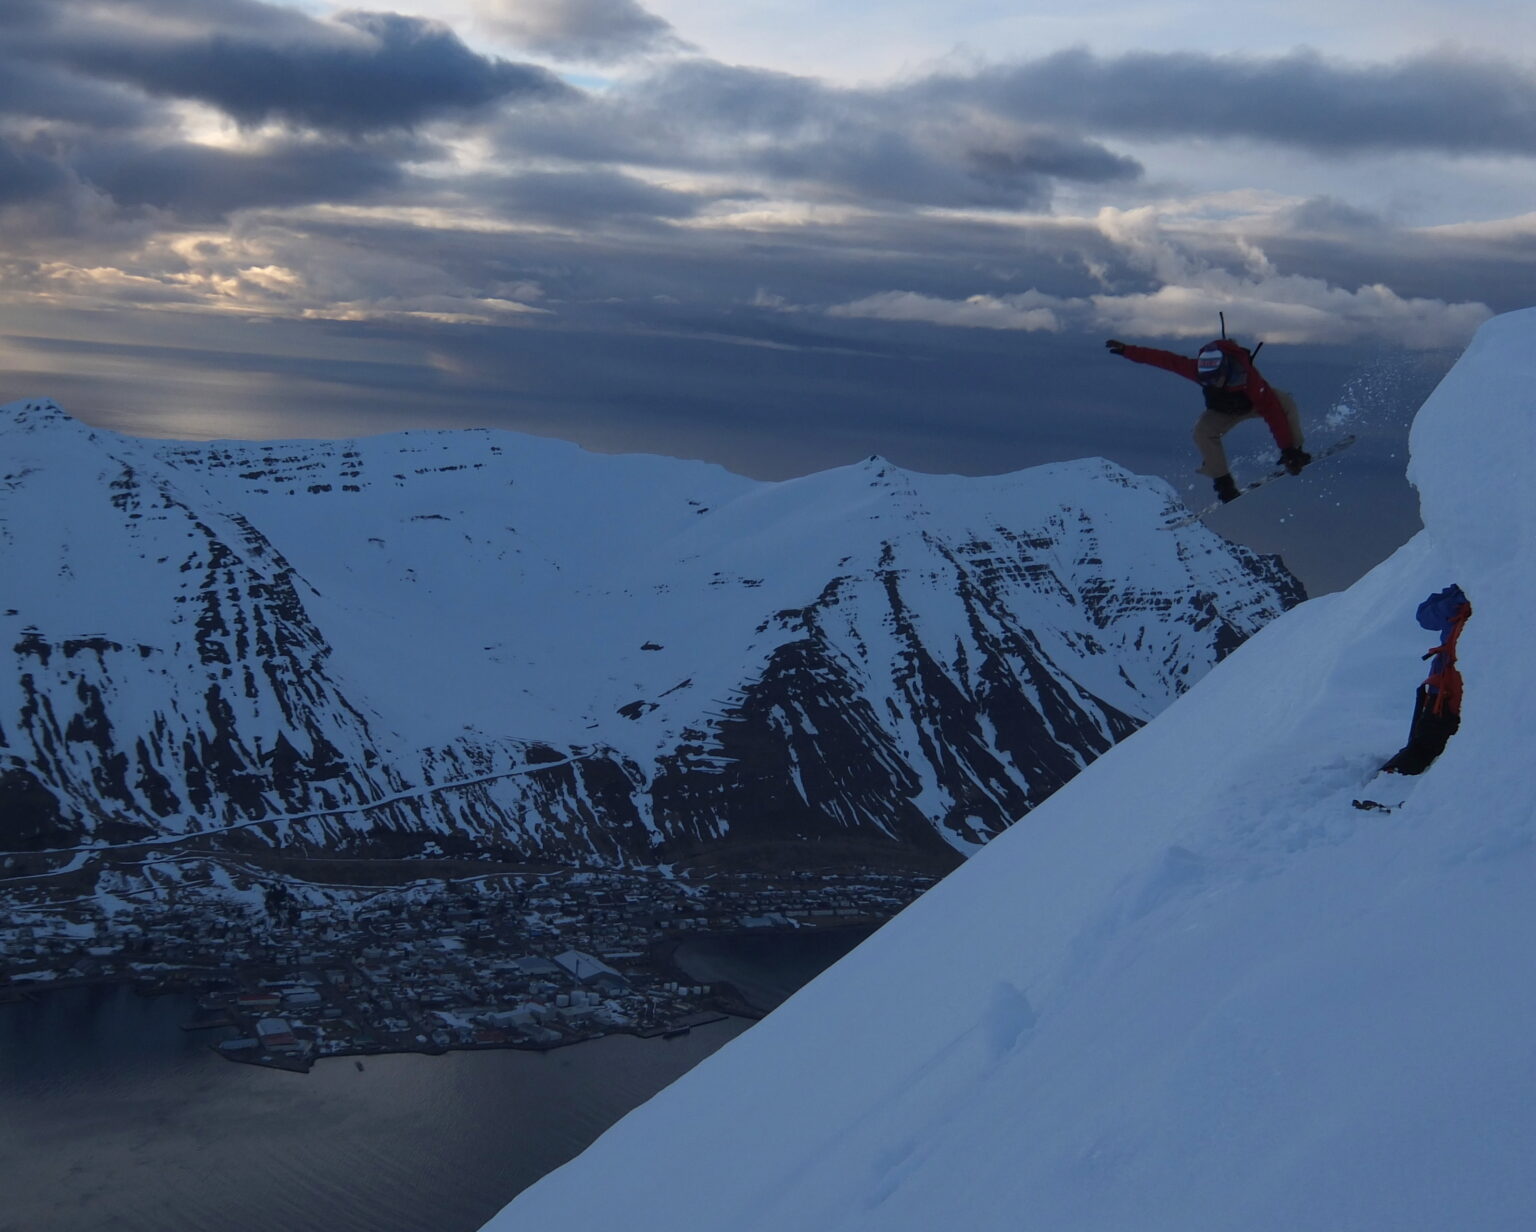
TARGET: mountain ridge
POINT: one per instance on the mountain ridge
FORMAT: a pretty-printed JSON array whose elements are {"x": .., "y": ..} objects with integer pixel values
[{"x": 624, "y": 659}]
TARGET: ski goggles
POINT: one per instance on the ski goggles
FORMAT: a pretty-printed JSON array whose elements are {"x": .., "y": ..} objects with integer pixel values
[{"x": 1214, "y": 366}]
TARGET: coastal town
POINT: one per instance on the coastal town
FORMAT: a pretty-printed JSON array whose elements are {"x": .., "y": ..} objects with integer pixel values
[{"x": 285, "y": 973}]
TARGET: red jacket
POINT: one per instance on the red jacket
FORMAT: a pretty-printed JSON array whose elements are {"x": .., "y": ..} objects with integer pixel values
[{"x": 1259, "y": 391}]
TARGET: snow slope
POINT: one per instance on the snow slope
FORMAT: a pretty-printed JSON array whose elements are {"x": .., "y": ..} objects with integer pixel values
[{"x": 1195, "y": 989}]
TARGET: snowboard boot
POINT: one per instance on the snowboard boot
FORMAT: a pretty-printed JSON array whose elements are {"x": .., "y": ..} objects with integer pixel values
[{"x": 1226, "y": 488}]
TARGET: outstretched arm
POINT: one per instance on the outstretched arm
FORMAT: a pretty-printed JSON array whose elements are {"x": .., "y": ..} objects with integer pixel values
[{"x": 1169, "y": 361}]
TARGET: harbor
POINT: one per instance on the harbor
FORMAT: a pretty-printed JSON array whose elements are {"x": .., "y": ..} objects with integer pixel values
[{"x": 532, "y": 962}]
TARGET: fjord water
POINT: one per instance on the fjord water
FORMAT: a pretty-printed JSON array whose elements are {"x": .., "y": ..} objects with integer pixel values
[
  {"x": 765, "y": 967},
  {"x": 112, "y": 1117}
]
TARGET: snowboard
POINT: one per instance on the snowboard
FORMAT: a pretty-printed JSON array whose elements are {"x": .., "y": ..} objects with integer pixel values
[
  {"x": 1384, "y": 792},
  {"x": 1344, "y": 442}
]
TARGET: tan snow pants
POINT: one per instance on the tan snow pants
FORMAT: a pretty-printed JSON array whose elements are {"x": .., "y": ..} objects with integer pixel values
[{"x": 1213, "y": 425}]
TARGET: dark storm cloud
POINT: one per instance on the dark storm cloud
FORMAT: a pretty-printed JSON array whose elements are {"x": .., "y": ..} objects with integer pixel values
[
  {"x": 598, "y": 30},
  {"x": 583, "y": 197},
  {"x": 1055, "y": 155},
  {"x": 814, "y": 138},
  {"x": 203, "y": 183},
  {"x": 44, "y": 92},
  {"x": 997, "y": 137},
  {"x": 1002, "y": 135},
  {"x": 940, "y": 164},
  {"x": 1447, "y": 101},
  {"x": 694, "y": 114},
  {"x": 1330, "y": 216},
  {"x": 78, "y": 77},
  {"x": 24, "y": 14},
  {"x": 29, "y": 172},
  {"x": 363, "y": 72}
]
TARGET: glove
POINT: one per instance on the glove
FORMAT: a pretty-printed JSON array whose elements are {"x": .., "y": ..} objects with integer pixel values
[
  {"x": 1115, "y": 346},
  {"x": 1294, "y": 458}
]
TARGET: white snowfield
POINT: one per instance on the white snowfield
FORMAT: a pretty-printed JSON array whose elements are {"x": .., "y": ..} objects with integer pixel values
[{"x": 1196, "y": 989}]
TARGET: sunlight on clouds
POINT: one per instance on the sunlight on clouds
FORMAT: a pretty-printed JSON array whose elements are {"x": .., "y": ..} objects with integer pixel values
[
  {"x": 463, "y": 153},
  {"x": 1030, "y": 311},
  {"x": 205, "y": 125},
  {"x": 771, "y": 215},
  {"x": 251, "y": 290},
  {"x": 1498, "y": 231},
  {"x": 426, "y": 217},
  {"x": 1196, "y": 266},
  {"x": 442, "y": 310},
  {"x": 256, "y": 276},
  {"x": 1281, "y": 307},
  {"x": 1230, "y": 210},
  {"x": 1202, "y": 272},
  {"x": 273, "y": 278},
  {"x": 72, "y": 284},
  {"x": 1294, "y": 310}
]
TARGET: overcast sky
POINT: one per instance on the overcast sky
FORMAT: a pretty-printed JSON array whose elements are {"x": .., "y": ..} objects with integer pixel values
[{"x": 772, "y": 234}]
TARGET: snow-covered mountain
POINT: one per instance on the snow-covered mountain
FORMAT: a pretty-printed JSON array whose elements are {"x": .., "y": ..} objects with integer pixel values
[
  {"x": 498, "y": 642},
  {"x": 1196, "y": 989}
]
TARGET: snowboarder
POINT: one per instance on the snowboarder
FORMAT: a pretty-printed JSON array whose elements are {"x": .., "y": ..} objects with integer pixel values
[
  {"x": 1437, "y": 703},
  {"x": 1234, "y": 393}
]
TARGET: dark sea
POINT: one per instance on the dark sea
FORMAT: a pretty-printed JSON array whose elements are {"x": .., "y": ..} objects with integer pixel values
[{"x": 114, "y": 1118}]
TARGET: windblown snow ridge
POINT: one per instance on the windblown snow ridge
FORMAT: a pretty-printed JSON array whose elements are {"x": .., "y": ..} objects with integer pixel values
[{"x": 1195, "y": 989}]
